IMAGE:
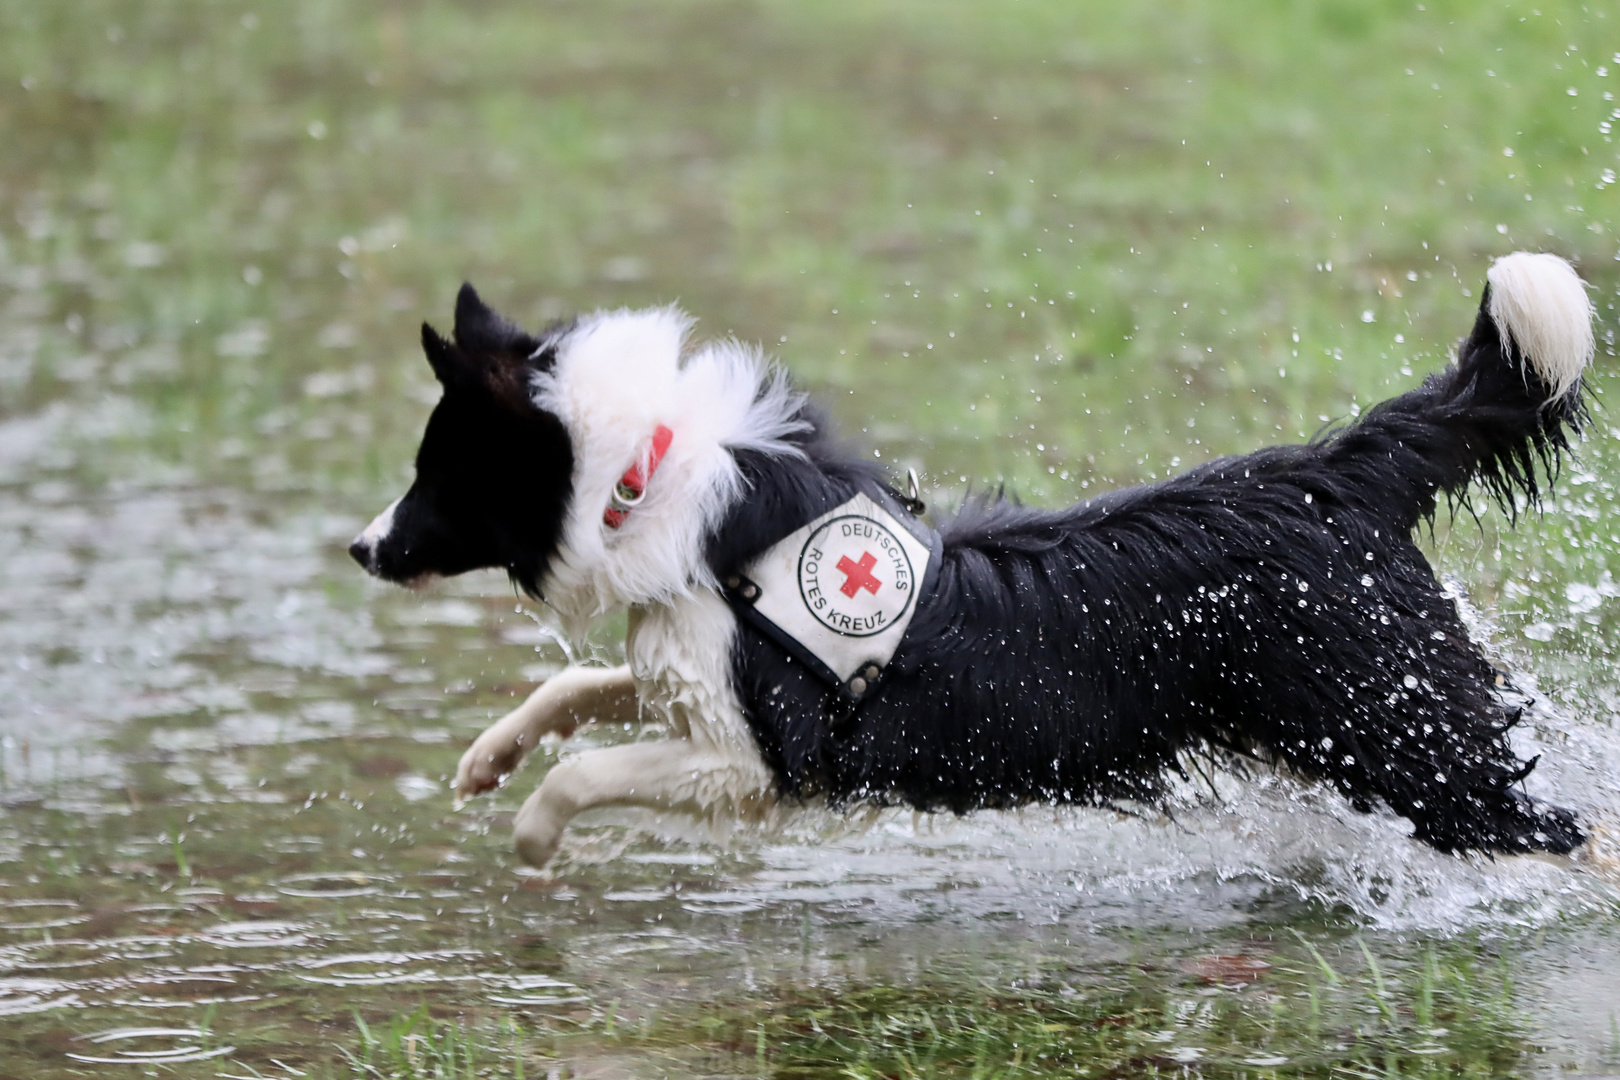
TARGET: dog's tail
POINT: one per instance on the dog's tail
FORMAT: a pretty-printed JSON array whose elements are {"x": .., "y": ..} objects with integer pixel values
[
  {"x": 1504, "y": 412},
  {"x": 1434, "y": 744}
]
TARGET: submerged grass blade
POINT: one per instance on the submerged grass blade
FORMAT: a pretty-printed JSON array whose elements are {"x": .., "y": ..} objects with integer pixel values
[
  {"x": 1321, "y": 961},
  {"x": 1380, "y": 991}
]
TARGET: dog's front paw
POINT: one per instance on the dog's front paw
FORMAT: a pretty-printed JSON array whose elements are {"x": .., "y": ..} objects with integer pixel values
[
  {"x": 489, "y": 760},
  {"x": 536, "y": 832}
]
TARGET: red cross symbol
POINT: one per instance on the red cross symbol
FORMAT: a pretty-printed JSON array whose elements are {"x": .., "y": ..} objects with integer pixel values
[{"x": 858, "y": 575}]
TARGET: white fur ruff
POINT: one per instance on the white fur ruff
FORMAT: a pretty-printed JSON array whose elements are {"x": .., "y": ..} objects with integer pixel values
[
  {"x": 1540, "y": 305},
  {"x": 618, "y": 376}
]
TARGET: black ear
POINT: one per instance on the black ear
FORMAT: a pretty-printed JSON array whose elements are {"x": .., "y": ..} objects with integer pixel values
[
  {"x": 480, "y": 331},
  {"x": 440, "y": 353},
  {"x": 474, "y": 319}
]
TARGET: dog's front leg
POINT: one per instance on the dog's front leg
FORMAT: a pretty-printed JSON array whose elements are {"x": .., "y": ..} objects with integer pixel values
[
  {"x": 669, "y": 774},
  {"x": 574, "y": 696}
]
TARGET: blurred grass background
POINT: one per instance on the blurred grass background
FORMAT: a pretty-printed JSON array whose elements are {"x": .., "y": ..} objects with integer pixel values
[{"x": 1206, "y": 223}]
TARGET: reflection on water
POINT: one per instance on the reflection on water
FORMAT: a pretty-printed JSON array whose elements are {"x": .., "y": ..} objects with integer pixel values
[
  {"x": 244, "y": 856},
  {"x": 307, "y": 871}
]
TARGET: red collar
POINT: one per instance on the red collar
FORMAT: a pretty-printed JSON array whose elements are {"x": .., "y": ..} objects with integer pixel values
[{"x": 632, "y": 486}]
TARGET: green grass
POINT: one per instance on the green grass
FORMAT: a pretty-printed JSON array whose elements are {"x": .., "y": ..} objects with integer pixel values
[
  {"x": 1445, "y": 1011},
  {"x": 414, "y": 1046},
  {"x": 1126, "y": 208}
]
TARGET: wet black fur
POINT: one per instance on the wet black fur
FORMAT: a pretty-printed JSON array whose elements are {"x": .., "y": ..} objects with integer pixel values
[{"x": 1274, "y": 604}]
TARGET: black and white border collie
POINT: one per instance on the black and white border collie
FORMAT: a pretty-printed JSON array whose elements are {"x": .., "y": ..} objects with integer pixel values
[{"x": 1273, "y": 606}]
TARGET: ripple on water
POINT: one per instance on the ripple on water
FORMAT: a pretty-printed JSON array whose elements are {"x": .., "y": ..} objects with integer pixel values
[
  {"x": 22, "y": 996},
  {"x": 182, "y": 988},
  {"x": 721, "y": 903},
  {"x": 655, "y": 895},
  {"x": 671, "y": 858},
  {"x": 52, "y": 955},
  {"x": 384, "y": 968},
  {"x": 662, "y": 947},
  {"x": 332, "y": 886},
  {"x": 257, "y": 934},
  {"x": 534, "y": 991},
  {"x": 40, "y": 914},
  {"x": 146, "y": 1046}
]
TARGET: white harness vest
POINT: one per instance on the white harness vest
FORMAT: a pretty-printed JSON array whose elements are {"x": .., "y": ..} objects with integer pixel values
[{"x": 839, "y": 592}]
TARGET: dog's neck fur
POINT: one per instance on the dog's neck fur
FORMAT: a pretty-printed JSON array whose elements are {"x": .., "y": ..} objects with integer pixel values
[{"x": 619, "y": 375}]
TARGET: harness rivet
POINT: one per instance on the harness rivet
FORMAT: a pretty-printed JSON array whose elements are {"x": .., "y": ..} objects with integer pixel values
[
  {"x": 857, "y": 686},
  {"x": 750, "y": 591}
]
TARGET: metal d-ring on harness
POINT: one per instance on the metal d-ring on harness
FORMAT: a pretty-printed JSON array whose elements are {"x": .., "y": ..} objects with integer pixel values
[
  {"x": 631, "y": 489},
  {"x": 912, "y": 499}
]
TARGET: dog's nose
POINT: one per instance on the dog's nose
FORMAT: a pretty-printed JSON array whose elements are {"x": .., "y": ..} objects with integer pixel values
[{"x": 361, "y": 552}]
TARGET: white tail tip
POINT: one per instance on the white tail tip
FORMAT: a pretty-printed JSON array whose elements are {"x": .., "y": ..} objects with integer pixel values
[{"x": 1540, "y": 306}]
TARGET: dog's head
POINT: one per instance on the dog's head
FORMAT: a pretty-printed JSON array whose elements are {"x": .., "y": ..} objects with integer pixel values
[{"x": 494, "y": 472}]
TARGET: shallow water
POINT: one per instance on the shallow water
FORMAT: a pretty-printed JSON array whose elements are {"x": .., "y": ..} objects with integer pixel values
[{"x": 224, "y": 822}]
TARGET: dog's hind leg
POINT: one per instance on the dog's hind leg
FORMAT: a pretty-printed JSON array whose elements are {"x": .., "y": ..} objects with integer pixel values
[
  {"x": 669, "y": 774},
  {"x": 572, "y": 697}
]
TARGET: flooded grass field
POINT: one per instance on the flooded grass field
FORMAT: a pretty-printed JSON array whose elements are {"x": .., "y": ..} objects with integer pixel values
[{"x": 1059, "y": 245}]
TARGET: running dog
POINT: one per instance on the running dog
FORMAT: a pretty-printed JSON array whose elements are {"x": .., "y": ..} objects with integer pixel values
[{"x": 801, "y": 631}]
